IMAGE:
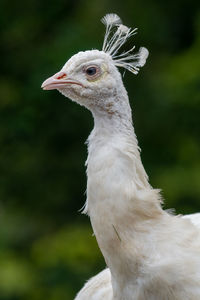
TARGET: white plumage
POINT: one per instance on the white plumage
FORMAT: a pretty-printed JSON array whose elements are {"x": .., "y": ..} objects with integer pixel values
[{"x": 150, "y": 254}]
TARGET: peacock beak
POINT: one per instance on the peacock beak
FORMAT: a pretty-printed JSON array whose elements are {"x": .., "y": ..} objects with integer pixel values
[{"x": 57, "y": 81}]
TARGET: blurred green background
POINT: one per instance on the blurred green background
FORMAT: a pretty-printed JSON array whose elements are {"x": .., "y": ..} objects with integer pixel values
[{"x": 47, "y": 250}]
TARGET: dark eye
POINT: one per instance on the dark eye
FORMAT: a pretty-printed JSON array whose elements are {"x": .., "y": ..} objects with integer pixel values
[{"x": 91, "y": 71}]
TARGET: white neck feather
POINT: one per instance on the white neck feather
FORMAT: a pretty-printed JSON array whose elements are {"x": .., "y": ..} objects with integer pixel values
[
  {"x": 119, "y": 196},
  {"x": 113, "y": 142}
]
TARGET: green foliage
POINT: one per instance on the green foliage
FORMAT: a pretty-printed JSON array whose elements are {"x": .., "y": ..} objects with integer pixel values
[{"x": 46, "y": 247}]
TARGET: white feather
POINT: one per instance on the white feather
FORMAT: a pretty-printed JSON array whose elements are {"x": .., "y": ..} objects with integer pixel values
[
  {"x": 109, "y": 20},
  {"x": 113, "y": 41},
  {"x": 132, "y": 62}
]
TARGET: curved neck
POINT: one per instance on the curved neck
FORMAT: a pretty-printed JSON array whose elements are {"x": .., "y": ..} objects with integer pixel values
[
  {"x": 119, "y": 197},
  {"x": 113, "y": 131}
]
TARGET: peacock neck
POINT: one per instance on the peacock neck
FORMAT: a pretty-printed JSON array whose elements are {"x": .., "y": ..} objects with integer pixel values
[
  {"x": 113, "y": 134},
  {"x": 119, "y": 196},
  {"x": 114, "y": 165}
]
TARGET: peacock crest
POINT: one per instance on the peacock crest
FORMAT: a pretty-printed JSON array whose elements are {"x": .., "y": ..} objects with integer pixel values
[{"x": 116, "y": 36}]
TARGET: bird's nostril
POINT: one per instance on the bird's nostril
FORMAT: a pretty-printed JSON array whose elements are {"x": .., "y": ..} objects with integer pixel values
[{"x": 61, "y": 76}]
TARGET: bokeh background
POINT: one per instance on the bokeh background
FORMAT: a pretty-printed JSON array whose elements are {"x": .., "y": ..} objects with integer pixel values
[{"x": 47, "y": 250}]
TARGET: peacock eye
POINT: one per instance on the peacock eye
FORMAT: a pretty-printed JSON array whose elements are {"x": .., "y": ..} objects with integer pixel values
[{"x": 91, "y": 71}]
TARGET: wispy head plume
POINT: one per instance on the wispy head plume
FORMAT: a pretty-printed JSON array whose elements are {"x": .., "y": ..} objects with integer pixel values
[
  {"x": 110, "y": 21},
  {"x": 115, "y": 37}
]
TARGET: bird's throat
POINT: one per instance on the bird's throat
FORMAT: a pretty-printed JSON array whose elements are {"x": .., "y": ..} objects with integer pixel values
[{"x": 119, "y": 196}]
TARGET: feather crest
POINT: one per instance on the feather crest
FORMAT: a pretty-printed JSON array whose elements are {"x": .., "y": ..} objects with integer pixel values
[
  {"x": 132, "y": 62},
  {"x": 115, "y": 37},
  {"x": 110, "y": 21}
]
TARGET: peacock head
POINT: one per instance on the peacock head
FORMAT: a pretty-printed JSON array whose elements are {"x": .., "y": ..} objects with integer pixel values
[{"x": 91, "y": 78}]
